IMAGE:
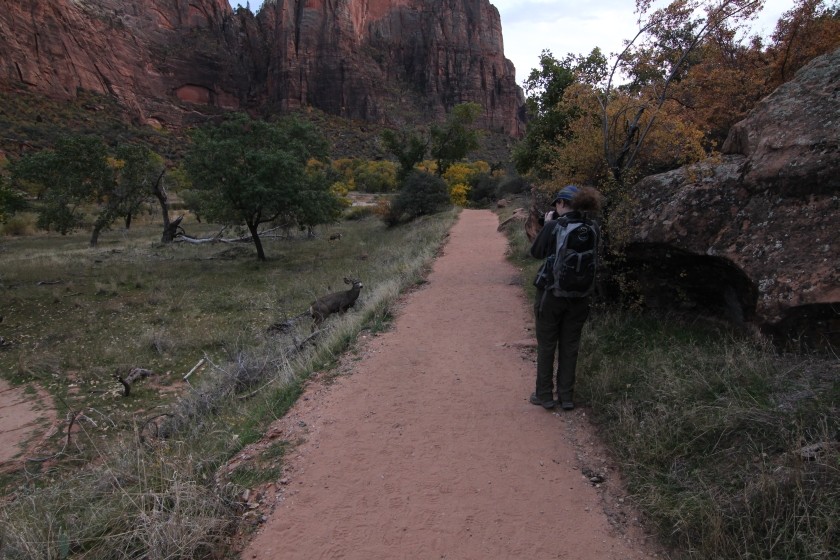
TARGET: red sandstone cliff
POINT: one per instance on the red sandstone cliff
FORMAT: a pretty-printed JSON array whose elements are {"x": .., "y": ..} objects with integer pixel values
[{"x": 165, "y": 60}]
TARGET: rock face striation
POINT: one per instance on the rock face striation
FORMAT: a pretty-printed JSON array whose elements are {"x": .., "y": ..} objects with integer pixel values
[
  {"x": 166, "y": 60},
  {"x": 754, "y": 234}
]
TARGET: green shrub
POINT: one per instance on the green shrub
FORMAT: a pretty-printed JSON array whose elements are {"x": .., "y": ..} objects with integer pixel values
[
  {"x": 422, "y": 194},
  {"x": 375, "y": 176},
  {"x": 483, "y": 189},
  {"x": 511, "y": 185}
]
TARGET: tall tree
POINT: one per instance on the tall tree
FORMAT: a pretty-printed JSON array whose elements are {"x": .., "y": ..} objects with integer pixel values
[
  {"x": 80, "y": 171},
  {"x": 454, "y": 140},
  {"x": 810, "y": 28},
  {"x": 548, "y": 117},
  {"x": 136, "y": 173},
  {"x": 74, "y": 173},
  {"x": 659, "y": 55},
  {"x": 253, "y": 172},
  {"x": 408, "y": 147},
  {"x": 447, "y": 143}
]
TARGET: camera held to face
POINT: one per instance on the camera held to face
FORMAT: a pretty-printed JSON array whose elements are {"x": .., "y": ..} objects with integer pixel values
[{"x": 548, "y": 216}]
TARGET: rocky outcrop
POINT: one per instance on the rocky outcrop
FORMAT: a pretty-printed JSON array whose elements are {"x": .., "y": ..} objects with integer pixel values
[
  {"x": 374, "y": 60},
  {"x": 149, "y": 55},
  {"x": 790, "y": 138},
  {"x": 753, "y": 234}
]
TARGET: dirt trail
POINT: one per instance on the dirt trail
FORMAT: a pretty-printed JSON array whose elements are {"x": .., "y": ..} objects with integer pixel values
[
  {"x": 21, "y": 415},
  {"x": 429, "y": 448}
]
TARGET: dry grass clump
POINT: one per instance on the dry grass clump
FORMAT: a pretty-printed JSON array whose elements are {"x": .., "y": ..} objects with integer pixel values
[
  {"x": 136, "y": 503},
  {"x": 20, "y": 224},
  {"x": 731, "y": 449}
]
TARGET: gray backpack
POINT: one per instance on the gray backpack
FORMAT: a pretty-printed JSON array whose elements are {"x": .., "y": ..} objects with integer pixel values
[{"x": 570, "y": 271}]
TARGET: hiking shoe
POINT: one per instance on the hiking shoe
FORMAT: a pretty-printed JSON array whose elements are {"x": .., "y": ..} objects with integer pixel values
[
  {"x": 567, "y": 405},
  {"x": 549, "y": 404}
]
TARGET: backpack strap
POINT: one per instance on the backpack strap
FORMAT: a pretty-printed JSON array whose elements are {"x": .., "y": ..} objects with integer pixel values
[{"x": 561, "y": 232}]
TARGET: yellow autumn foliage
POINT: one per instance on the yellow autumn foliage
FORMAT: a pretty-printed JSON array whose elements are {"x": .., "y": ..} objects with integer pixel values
[{"x": 458, "y": 194}]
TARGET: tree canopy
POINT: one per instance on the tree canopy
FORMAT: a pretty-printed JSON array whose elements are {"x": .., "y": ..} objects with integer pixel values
[
  {"x": 548, "y": 117},
  {"x": 11, "y": 201},
  {"x": 81, "y": 170},
  {"x": 670, "y": 96},
  {"x": 447, "y": 143},
  {"x": 253, "y": 172},
  {"x": 453, "y": 141}
]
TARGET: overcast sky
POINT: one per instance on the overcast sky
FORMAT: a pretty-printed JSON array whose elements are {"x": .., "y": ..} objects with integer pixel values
[{"x": 575, "y": 26}]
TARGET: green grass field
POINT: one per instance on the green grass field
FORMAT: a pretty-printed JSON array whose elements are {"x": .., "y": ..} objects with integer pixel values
[{"x": 141, "y": 466}]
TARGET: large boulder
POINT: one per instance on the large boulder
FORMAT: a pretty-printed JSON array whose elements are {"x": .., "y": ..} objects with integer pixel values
[{"x": 752, "y": 234}]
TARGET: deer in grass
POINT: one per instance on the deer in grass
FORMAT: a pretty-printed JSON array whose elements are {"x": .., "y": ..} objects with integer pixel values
[{"x": 338, "y": 302}]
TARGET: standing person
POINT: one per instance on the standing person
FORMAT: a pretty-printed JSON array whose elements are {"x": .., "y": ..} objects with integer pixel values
[{"x": 562, "y": 304}]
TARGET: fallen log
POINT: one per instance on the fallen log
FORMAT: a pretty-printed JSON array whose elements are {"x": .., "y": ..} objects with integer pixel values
[{"x": 184, "y": 238}]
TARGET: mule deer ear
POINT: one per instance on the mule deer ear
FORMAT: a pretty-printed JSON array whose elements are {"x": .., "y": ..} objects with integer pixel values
[{"x": 347, "y": 280}]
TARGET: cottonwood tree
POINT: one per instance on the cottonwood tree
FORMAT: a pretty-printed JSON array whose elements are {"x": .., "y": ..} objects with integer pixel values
[
  {"x": 548, "y": 117},
  {"x": 408, "y": 147},
  {"x": 75, "y": 172},
  {"x": 80, "y": 171},
  {"x": 446, "y": 143},
  {"x": 253, "y": 172},
  {"x": 139, "y": 176},
  {"x": 137, "y": 173},
  {"x": 456, "y": 138}
]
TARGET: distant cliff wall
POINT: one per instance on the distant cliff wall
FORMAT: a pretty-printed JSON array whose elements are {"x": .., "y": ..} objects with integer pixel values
[{"x": 373, "y": 60}]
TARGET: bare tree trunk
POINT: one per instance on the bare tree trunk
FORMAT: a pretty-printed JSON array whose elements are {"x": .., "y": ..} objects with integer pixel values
[
  {"x": 257, "y": 241},
  {"x": 94, "y": 235},
  {"x": 160, "y": 193}
]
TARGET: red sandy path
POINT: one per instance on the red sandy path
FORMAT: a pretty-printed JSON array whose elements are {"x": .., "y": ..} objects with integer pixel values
[
  {"x": 430, "y": 449},
  {"x": 21, "y": 415}
]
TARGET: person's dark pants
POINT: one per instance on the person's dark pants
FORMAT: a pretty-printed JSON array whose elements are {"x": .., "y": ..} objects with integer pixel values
[{"x": 559, "y": 322}]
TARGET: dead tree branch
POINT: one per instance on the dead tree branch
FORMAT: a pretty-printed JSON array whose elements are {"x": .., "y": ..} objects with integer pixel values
[{"x": 134, "y": 375}]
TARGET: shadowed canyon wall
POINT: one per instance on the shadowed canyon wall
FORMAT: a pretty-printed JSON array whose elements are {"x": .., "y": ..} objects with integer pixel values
[{"x": 170, "y": 61}]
